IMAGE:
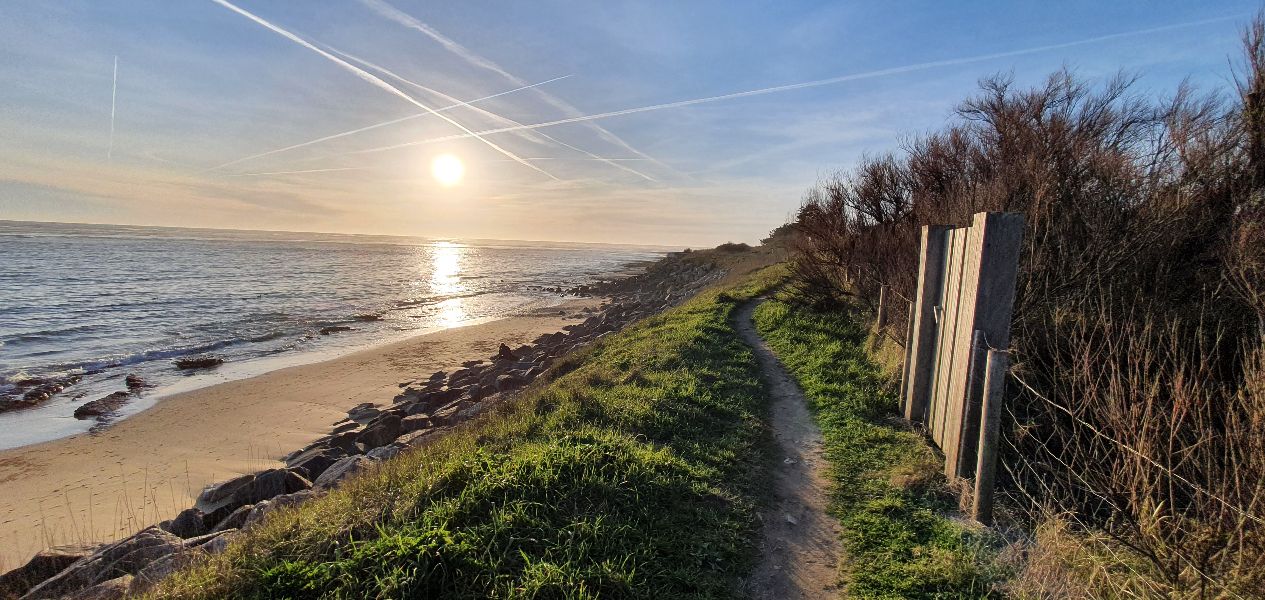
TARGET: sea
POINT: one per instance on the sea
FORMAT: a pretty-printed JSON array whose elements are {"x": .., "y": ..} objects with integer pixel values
[{"x": 107, "y": 301}]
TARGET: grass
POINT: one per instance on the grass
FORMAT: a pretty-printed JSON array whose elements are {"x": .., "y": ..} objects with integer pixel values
[
  {"x": 632, "y": 470},
  {"x": 888, "y": 493}
]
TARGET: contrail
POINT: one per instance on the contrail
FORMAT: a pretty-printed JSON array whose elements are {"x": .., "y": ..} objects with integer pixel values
[
  {"x": 808, "y": 84},
  {"x": 369, "y": 77},
  {"x": 301, "y": 171},
  {"x": 392, "y": 13},
  {"x": 114, "y": 93},
  {"x": 382, "y": 124},
  {"x": 492, "y": 115}
]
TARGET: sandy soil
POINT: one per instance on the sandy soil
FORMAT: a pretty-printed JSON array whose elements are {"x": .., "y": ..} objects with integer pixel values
[
  {"x": 799, "y": 547},
  {"x": 100, "y": 487}
]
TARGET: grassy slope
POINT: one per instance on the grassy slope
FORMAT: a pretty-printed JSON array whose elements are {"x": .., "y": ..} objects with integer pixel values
[
  {"x": 898, "y": 542},
  {"x": 635, "y": 473}
]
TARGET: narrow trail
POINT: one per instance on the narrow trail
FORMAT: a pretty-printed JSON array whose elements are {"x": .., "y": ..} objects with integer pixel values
[{"x": 799, "y": 549}]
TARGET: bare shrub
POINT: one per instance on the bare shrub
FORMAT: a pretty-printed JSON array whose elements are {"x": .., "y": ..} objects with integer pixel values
[{"x": 1140, "y": 308}]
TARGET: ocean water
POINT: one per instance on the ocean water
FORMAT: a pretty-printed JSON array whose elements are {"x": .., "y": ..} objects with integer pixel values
[{"x": 106, "y": 301}]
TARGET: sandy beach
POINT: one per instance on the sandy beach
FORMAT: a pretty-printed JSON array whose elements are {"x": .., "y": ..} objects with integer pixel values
[{"x": 146, "y": 468}]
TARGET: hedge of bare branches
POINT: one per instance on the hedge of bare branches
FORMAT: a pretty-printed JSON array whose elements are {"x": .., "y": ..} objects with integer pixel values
[{"x": 1140, "y": 308}]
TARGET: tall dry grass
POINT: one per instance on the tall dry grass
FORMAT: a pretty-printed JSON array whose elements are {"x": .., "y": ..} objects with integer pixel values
[{"x": 1140, "y": 309}]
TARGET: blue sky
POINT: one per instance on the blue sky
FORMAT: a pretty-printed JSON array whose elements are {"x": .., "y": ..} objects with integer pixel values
[{"x": 200, "y": 85}]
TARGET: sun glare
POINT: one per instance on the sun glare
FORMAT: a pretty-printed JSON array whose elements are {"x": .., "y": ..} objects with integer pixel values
[{"x": 447, "y": 170}]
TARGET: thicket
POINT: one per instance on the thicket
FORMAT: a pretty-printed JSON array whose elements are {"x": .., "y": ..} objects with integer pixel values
[{"x": 1136, "y": 414}]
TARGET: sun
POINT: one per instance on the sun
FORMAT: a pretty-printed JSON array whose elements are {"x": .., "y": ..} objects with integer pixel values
[{"x": 447, "y": 169}]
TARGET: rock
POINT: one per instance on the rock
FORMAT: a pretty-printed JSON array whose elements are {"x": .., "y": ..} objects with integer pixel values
[
  {"x": 269, "y": 484},
  {"x": 445, "y": 415},
  {"x": 217, "y": 495},
  {"x": 119, "y": 587},
  {"x": 508, "y": 382},
  {"x": 382, "y": 431},
  {"x": 334, "y": 329},
  {"x": 315, "y": 461},
  {"x": 504, "y": 353},
  {"x": 341, "y": 470},
  {"x": 161, "y": 568},
  {"x": 418, "y": 438},
  {"x": 235, "y": 519},
  {"x": 363, "y": 413},
  {"x": 471, "y": 363},
  {"x": 134, "y": 382},
  {"x": 385, "y": 452},
  {"x": 102, "y": 406},
  {"x": 205, "y": 361},
  {"x": 41, "y": 567},
  {"x": 262, "y": 509},
  {"x": 220, "y": 542},
  {"x": 437, "y": 375},
  {"x": 187, "y": 524},
  {"x": 125, "y": 557},
  {"x": 413, "y": 423},
  {"x": 345, "y": 441}
]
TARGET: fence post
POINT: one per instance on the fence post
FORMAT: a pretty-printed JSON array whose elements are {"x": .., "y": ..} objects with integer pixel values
[
  {"x": 904, "y": 365},
  {"x": 883, "y": 300},
  {"x": 990, "y": 419},
  {"x": 921, "y": 345}
]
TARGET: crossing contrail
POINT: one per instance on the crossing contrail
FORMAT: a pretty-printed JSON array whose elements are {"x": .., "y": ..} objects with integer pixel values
[
  {"x": 378, "y": 125},
  {"x": 376, "y": 81},
  {"x": 492, "y": 115},
  {"x": 799, "y": 86},
  {"x": 333, "y": 170},
  {"x": 114, "y": 93},
  {"x": 394, "y": 14}
]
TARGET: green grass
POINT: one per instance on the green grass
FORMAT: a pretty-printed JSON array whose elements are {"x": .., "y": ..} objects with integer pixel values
[
  {"x": 633, "y": 473},
  {"x": 888, "y": 493}
]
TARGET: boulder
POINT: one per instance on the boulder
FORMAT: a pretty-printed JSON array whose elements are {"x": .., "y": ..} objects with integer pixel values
[
  {"x": 125, "y": 557},
  {"x": 271, "y": 483},
  {"x": 134, "y": 382},
  {"x": 119, "y": 587},
  {"x": 220, "y": 542},
  {"x": 41, "y": 567},
  {"x": 102, "y": 406},
  {"x": 345, "y": 441},
  {"x": 507, "y": 382},
  {"x": 380, "y": 432},
  {"x": 413, "y": 423},
  {"x": 316, "y": 460},
  {"x": 198, "y": 362},
  {"x": 219, "y": 494},
  {"x": 334, "y": 329},
  {"x": 188, "y": 524},
  {"x": 418, "y": 438},
  {"x": 341, "y": 470},
  {"x": 386, "y": 452},
  {"x": 235, "y": 519},
  {"x": 363, "y": 413}
]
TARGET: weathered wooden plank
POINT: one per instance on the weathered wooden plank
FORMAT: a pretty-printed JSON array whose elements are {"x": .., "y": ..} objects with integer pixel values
[
  {"x": 998, "y": 247},
  {"x": 921, "y": 347},
  {"x": 950, "y": 319},
  {"x": 961, "y": 367}
]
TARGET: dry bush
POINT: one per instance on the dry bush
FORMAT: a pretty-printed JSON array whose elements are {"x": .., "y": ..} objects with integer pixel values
[{"x": 1140, "y": 306}]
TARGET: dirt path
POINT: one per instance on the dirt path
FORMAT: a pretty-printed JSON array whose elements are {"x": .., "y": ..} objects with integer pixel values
[{"x": 799, "y": 552}]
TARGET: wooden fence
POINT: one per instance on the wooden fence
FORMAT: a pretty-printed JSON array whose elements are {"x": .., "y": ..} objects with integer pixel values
[{"x": 962, "y": 309}]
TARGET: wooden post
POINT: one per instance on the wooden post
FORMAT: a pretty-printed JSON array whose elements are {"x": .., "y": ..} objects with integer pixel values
[
  {"x": 921, "y": 346},
  {"x": 989, "y": 430},
  {"x": 883, "y": 300},
  {"x": 904, "y": 365}
]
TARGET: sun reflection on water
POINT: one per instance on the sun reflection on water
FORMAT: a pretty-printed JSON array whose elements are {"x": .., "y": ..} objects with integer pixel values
[{"x": 445, "y": 280}]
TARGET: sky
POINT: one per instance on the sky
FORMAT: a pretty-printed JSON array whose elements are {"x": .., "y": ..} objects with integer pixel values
[{"x": 205, "y": 87}]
